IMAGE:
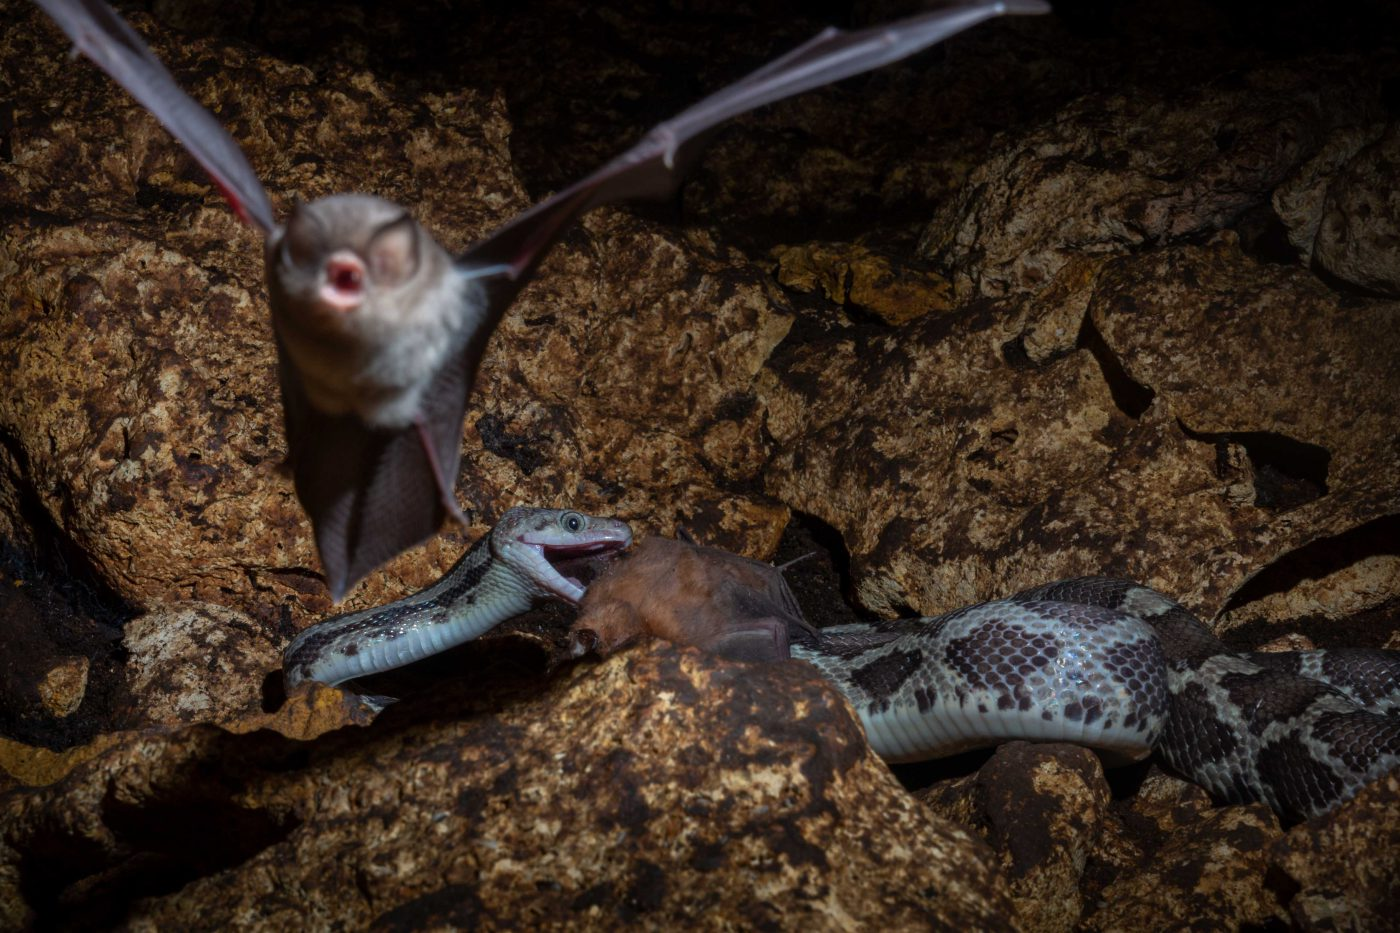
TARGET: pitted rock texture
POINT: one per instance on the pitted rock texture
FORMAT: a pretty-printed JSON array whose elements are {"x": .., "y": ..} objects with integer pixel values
[
  {"x": 662, "y": 788},
  {"x": 1182, "y": 441},
  {"x": 862, "y": 278},
  {"x": 1210, "y": 873},
  {"x": 1116, "y": 172},
  {"x": 1042, "y": 809},
  {"x": 190, "y": 662},
  {"x": 1342, "y": 872},
  {"x": 1342, "y": 214}
]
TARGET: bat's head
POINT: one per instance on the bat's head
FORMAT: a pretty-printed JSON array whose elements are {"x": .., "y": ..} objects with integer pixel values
[
  {"x": 341, "y": 265},
  {"x": 550, "y": 547}
]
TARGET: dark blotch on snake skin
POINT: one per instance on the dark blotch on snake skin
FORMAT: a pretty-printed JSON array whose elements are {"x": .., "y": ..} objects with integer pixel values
[
  {"x": 1271, "y": 696},
  {"x": 468, "y": 581},
  {"x": 1192, "y": 724},
  {"x": 1355, "y": 739},
  {"x": 1370, "y": 678},
  {"x": 885, "y": 675},
  {"x": 1298, "y": 774},
  {"x": 980, "y": 654}
]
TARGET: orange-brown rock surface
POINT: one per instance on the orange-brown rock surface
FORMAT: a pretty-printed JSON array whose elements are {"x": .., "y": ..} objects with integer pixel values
[
  {"x": 1111, "y": 291},
  {"x": 712, "y": 792}
]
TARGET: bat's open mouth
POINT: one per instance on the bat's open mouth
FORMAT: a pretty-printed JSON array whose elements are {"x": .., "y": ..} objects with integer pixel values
[{"x": 344, "y": 287}]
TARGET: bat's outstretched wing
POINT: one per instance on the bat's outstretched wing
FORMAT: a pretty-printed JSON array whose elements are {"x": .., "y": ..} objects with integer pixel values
[
  {"x": 654, "y": 167},
  {"x": 103, "y": 36},
  {"x": 371, "y": 494}
]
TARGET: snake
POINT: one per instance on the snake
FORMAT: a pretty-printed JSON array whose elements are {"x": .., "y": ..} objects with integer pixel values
[
  {"x": 1107, "y": 663},
  {"x": 526, "y": 558},
  {"x": 1123, "y": 669}
]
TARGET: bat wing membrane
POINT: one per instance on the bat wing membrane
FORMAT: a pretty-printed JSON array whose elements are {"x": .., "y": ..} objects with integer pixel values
[
  {"x": 371, "y": 494},
  {"x": 653, "y": 168},
  {"x": 103, "y": 36}
]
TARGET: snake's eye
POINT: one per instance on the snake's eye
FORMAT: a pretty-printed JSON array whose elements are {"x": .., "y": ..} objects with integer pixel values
[{"x": 572, "y": 521}]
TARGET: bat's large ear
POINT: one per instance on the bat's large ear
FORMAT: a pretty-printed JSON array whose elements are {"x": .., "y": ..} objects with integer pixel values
[
  {"x": 304, "y": 238},
  {"x": 394, "y": 250}
]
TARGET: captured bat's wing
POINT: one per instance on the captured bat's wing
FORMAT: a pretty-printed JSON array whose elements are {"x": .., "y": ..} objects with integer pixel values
[
  {"x": 103, "y": 36},
  {"x": 654, "y": 167}
]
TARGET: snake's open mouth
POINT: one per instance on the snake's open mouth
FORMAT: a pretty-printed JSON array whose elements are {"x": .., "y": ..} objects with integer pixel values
[{"x": 565, "y": 568}]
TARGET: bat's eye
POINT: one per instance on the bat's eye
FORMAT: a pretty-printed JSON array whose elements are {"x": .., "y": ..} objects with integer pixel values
[{"x": 572, "y": 521}]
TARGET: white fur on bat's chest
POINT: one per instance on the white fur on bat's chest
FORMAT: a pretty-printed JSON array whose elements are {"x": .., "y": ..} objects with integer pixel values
[{"x": 380, "y": 367}]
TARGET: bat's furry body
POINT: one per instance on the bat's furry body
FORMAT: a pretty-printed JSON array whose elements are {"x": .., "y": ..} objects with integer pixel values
[{"x": 690, "y": 594}]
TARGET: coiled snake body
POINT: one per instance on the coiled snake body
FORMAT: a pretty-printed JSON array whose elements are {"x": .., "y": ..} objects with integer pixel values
[
  {"x": 1119, "y": 667},
  {"x": 1106, "y": 663}
]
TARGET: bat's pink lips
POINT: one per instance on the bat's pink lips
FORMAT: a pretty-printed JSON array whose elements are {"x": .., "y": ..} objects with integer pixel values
[{"x": 344, "y": 287}]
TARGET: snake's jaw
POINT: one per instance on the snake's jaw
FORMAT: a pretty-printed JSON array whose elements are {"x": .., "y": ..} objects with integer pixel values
[{"x": 539, "y": 542}]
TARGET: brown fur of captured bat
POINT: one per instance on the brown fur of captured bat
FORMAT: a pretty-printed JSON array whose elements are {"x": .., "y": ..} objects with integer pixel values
[{"x": 689, "y": 594}]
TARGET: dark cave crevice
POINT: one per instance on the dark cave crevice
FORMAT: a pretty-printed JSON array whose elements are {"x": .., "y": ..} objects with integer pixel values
[
  {"x": 74, "y": 883},
  {"x": 1320, "y": 558},
  {"x": 56, "y": 606},
  {"x": 1130, "y": 396},
  {"x": 823, "y": 583},
  {"x": 1288, "y": 473}
]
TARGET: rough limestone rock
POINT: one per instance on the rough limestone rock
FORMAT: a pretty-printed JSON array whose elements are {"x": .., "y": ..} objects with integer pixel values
[
  {"x": 1210, "y": 873},
  {"x": 1041, "y": 808},
  {"x": 1115, "y": 172},
  {"x": 1343, "y": 214},
  {"x": 1342, "y": 871},
  {"x": 662, "y": 788},
  {"x": 190, "y": 662},
  {"x": 1184, "y": 441},
  {"x": 859, "y": 276}
]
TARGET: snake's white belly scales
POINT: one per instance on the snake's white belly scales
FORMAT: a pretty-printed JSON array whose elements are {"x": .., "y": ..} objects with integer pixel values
[{"x": 443, "y": 616}]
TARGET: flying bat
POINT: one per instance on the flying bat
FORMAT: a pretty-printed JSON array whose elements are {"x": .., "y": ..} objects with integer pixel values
[{"x": 379, "y": 330}]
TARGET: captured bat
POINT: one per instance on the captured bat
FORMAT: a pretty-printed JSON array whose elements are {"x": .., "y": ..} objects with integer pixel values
[
  {"x": 379, "y": 331},
  {"x": 690, "y": 594}
]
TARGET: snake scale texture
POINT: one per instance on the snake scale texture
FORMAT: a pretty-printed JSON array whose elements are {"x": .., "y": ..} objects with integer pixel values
[{"x": 1121, "y": 668}]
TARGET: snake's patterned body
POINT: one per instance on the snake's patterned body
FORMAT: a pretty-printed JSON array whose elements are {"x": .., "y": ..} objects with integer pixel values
[
  {"x": 1106, "y": 663},
  {"x": 1116, "y": 666}
]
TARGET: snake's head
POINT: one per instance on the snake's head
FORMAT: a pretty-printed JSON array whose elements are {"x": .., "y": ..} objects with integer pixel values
[{"x": 549, "y": 546}]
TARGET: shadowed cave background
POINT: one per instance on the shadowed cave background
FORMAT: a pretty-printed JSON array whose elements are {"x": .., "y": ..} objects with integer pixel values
[{"x": 1108, "y": 291}]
